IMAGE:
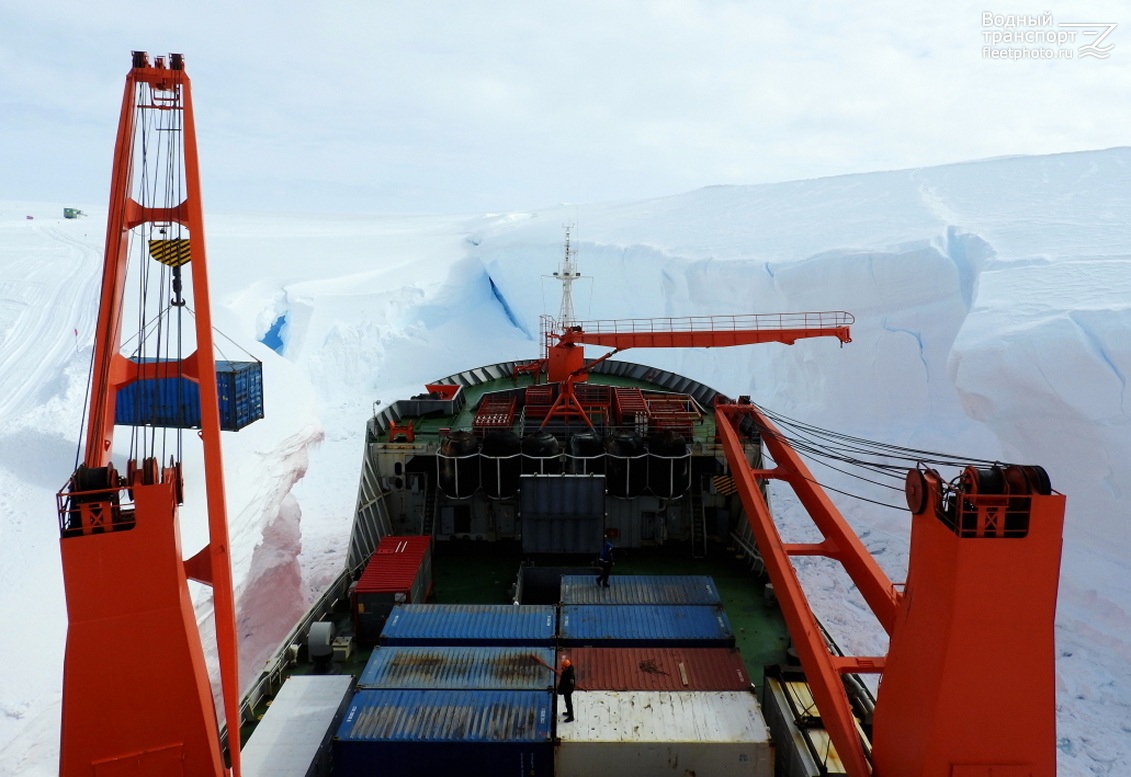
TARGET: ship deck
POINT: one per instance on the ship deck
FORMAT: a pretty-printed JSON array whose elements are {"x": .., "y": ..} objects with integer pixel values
[
  {"x": 431, "y": 426},
  {"x": 484, "y": 573},
  {"x": 472, "y": 572}
]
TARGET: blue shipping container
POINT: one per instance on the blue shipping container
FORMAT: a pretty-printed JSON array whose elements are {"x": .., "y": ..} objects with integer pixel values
[
  {"x": 446, "y": 732},
  {"x": 641, "y": 589},
  {"x": 497, "y": 625},
  {"x": 174, "y": 402},
  {"x": 494, "y": 668},
  {"x": 634, "y": 625}
]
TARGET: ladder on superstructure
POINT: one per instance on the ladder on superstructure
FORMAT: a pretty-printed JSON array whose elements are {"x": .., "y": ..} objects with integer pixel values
[
  {"x": 698, "y": 522},
  {"x": 428, "y": 520}
]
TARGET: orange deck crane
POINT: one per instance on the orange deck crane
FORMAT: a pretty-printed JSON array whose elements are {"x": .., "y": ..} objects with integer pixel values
[
  {"x": 967, "y": 687},
  {"x": 564, "y": 356},
  {"x": 137, "y": 698}
]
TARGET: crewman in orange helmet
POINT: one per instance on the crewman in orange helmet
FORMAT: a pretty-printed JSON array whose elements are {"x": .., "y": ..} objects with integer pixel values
[{"x": 567, "y": 681}]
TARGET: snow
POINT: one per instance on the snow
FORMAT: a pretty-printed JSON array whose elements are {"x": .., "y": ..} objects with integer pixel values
[{"x": 993, "y": 319}]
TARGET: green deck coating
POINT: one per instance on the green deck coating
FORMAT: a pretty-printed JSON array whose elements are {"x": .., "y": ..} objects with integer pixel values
[{"x": 466, "y": 571}]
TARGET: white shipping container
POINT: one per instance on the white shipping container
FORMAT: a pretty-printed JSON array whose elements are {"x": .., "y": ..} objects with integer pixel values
[
  {"x": 648, "y": 733},
  {"x": 292, "y": 739}
]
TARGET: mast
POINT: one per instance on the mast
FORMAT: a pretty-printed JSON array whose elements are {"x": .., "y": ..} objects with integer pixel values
[{"x": 567, "y": 274}]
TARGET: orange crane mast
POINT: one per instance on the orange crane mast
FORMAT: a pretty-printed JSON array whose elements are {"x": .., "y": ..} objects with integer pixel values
[{"x": 137, "y": 698}]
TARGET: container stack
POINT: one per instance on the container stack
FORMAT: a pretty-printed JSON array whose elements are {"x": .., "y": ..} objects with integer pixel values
[
  {"x": 666, "y": 590},
  {"x": 659, "y": 669},
  {"x": 484, "y": 625},
  {"x": 469, "y": 689},
  {"x": 639, "y": 610},
  {"x": 464, "y": 668},
  {"x": 633, "y": 734},
  {"x": 659, "y": 682},
  {"x": 455, "y": 689},
  {"x": 438, "y": 733},
  {"x": 631, "y": 625}
]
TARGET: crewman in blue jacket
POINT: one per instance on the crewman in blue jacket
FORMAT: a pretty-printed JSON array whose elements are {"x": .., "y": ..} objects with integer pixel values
[{"x": 605, "y": 563}]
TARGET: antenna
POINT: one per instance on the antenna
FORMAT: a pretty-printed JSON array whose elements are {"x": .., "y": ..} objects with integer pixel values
[{"x": 567, "y": 275}]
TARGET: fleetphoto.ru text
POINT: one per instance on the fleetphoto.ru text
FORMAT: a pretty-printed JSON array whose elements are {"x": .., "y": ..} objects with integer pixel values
[{"x": 1016, "y": 37}]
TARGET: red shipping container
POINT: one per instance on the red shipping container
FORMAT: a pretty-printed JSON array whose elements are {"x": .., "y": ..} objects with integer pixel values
[
  {"x": 658, "y": 669},
  {"x": 400, "y": 570}
]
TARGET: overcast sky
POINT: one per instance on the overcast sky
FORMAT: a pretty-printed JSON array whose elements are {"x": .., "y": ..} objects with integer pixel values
[{"x": 372, "y": 106}]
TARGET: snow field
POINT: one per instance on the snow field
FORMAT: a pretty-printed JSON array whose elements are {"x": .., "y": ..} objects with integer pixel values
[{"x": 993, "y": 309}]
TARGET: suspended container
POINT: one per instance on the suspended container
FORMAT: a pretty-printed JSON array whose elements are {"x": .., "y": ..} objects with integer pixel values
[
  {"x": 488, "y": 625},
  {"x": 457, "y": 465},
  {"x": 586, "y": 455},
  {"x": 541, "y": 454},
  {"x": 659, "y": 669},
  {"x": 441, "y": 733},
  {"x": 500, "y": 465},
  {"x": 669, "y": 464},
  {"x": 399, "y": 571},
  {"x": 638, "y": 625},
  {"x": 468, "y": 668},
  {"x": 626, "y": 465},
  {"x": 642, "y": 734},
  {"x": 641, "y": 589},
  {"x": 173, "y": 401}
]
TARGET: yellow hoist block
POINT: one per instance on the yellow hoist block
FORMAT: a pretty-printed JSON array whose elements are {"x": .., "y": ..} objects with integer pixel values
[{"x": 172, "y": 252}]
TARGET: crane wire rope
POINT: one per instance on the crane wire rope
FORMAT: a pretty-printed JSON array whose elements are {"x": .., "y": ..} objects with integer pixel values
[{"x": 824, "y": 446}]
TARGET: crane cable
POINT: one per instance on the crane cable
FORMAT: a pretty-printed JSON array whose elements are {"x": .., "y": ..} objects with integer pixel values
[{"x": 825, "y": 445}]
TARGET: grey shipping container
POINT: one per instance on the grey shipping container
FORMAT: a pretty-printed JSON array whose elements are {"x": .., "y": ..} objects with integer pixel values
[
  {"x": 498, "y": 625},
  {"x": 642, "y": 734},
  {"x": 562, "y": 513},
  {"x": 514, "y": 668},
  {"x": 631, "y": 625},
  {"x": 445, "y": 732},
  {"x": 641, "y": 589},
  {"x": 173, "y": 401}
]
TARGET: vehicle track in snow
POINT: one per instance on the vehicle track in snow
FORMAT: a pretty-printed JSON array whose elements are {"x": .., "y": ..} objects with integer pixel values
[{"x": 49, "y": 289}]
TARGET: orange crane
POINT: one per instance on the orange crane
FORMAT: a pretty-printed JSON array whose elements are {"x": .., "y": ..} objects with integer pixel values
[
  {"x": 967, "y": 686},
  {"x": 564, "y": 357},
  {"x": 137, "y": 698},
  {"x": 970, "y": 632}
]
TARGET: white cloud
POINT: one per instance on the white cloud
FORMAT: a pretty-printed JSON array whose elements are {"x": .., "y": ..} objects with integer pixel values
[{"x": 453, "y": 107}]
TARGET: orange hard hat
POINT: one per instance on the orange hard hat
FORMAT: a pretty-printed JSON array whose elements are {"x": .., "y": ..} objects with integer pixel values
[{"x": 565, "y": 662}]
